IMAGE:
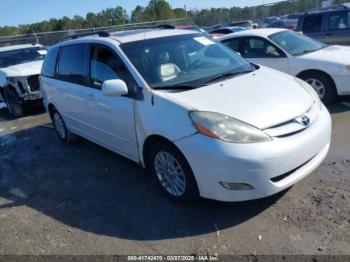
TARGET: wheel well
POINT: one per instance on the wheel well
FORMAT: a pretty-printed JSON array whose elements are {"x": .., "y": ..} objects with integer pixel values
[
  {"x": 315, "y": 71},
  {"x": 149, "y": 142}
]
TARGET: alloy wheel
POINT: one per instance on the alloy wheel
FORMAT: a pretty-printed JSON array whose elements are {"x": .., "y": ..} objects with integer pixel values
[
  {"x": 318, "y": 86},
  {"x": 170, "y": 173}
]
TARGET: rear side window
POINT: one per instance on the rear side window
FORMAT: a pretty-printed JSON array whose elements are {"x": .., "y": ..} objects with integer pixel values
[
  {"x": 49, "y": 65},
  {"x": 232, "y": 44},
  {"x": 312, "y": 24},
  {"x": 72, "y": 64},
  {"x": 339, "y": 21}
]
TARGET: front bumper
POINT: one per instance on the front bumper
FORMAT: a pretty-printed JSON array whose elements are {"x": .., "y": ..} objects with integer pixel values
[{"x": 214, "y": 161}]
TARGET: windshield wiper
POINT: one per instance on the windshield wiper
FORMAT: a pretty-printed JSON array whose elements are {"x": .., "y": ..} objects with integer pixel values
[
  {"x": 226, "y": 75},
  {"x": 309, "y": 51}
]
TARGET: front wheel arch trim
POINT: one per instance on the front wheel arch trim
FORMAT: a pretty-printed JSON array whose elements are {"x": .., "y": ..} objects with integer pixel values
[
  {"x": 151, "y": 140},
  {"x": 317, "y": 71}
]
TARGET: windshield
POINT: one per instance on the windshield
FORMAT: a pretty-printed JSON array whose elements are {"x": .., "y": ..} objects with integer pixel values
[
  {"x": 181, "y": 60},
  {"x": 296, "y": 43},
  {"x": 23, "y": 55}
]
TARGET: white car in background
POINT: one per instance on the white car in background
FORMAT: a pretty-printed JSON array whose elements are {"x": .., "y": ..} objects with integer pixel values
[
  {"x": 325, "y": 68},
  {"x": 201, "y": 118},
  {"x": 20, "y": 67}
]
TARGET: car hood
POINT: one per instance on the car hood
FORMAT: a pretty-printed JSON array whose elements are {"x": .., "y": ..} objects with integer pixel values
[
  {"x": 25, "y": 69},
  {"x": 263, "y": 98},
  {"x": 335, "y": 54}
]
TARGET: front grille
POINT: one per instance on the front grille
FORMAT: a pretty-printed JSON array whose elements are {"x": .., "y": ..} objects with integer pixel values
[
  {"x": 33, "y": 82},
  {"x": 293, "y": 126}
]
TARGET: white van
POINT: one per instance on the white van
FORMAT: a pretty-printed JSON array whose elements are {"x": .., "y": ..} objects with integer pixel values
[{"x": 201, "y": 118}]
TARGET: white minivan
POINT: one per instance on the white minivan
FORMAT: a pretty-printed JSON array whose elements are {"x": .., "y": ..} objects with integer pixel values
[{"x": 202, "y": 119}]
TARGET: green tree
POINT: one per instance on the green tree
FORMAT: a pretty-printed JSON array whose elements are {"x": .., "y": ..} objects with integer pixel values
[
  {"x": 161, "y": 10},
  {"x": 137, "y": 15},
  {"x": 179, "y": 12},
  {"x": 91, "y": 19},
  {"x": 158, "y": 10}
]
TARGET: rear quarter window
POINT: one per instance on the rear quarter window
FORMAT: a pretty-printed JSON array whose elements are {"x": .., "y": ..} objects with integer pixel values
[
  {"x": 49, "y": 65},
  {"x": 339, "y": 21}
]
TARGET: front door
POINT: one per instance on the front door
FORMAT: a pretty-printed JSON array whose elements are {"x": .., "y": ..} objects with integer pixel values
[
  {"x": 262, "y": 52},
  {"x": 111, "y": 118}
]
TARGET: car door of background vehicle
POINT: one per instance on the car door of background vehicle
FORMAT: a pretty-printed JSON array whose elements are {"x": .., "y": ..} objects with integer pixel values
[
  {"x": 72, "y": 81},
  {"x": 110, "y": 118},
  {"x": 338, "y": 26},
  {"x": 260, "y": 51}
]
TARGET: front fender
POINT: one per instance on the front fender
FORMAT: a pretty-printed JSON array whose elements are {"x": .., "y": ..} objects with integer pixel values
[{"x": 156, "y": 114}]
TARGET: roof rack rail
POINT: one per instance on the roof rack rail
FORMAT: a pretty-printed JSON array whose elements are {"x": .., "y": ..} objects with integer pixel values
[
  {"x": 99, "y": 33},
  {"x": 162, "y": 26}
]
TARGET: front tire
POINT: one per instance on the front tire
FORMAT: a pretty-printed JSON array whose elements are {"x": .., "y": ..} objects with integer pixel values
[
  {"x": 61, "y": 129},
  {"x": 173, "y": 173},
  {"x": 322, "y": 85},
  {"x": 13, "y": 103}
]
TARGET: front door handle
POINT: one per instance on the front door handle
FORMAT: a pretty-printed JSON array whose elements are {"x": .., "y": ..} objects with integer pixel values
[
  {"x": 329, "y": 34},
  {"x": 91, "y": 96}
]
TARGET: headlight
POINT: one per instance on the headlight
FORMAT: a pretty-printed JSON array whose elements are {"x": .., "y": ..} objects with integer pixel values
[
  {"x": 226, "y": 128},
  {"x": 311, "y": 92}
]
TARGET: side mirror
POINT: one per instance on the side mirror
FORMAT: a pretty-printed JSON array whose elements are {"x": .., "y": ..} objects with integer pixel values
[{"x": 115, "y": 87}]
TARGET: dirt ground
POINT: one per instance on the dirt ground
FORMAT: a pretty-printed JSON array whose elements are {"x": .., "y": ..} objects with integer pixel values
[{"x": 83, "y": 199}]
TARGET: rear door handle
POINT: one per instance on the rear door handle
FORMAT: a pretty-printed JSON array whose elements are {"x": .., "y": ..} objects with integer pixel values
[{"x": 329, "y": 34}]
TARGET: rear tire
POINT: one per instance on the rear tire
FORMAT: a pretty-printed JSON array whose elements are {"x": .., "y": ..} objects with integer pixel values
[
  {"x": 13, "y": 102},
  {"x": 61, "y": 129},
  {"x": 173, "y": 173},
  {"x": 323, "y": 86}
]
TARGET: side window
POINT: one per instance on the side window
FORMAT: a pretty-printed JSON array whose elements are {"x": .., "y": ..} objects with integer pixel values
[
  {"x": 104, "y": 66},
  {"x": 259, "y": 48},
  {"x": 233, "y": 44},
  {"x": 49, "y": 65},
  {"x": 72, "y": 65},
  {"x": 339, "y": 21},
  {"x": 312, "y": 24}
]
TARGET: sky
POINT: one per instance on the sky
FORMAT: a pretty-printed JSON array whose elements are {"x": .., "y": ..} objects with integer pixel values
[{"x": 16, "y": 12}]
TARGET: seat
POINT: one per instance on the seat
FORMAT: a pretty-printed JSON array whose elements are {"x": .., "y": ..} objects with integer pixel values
[{"x": 166, "y": 70}]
